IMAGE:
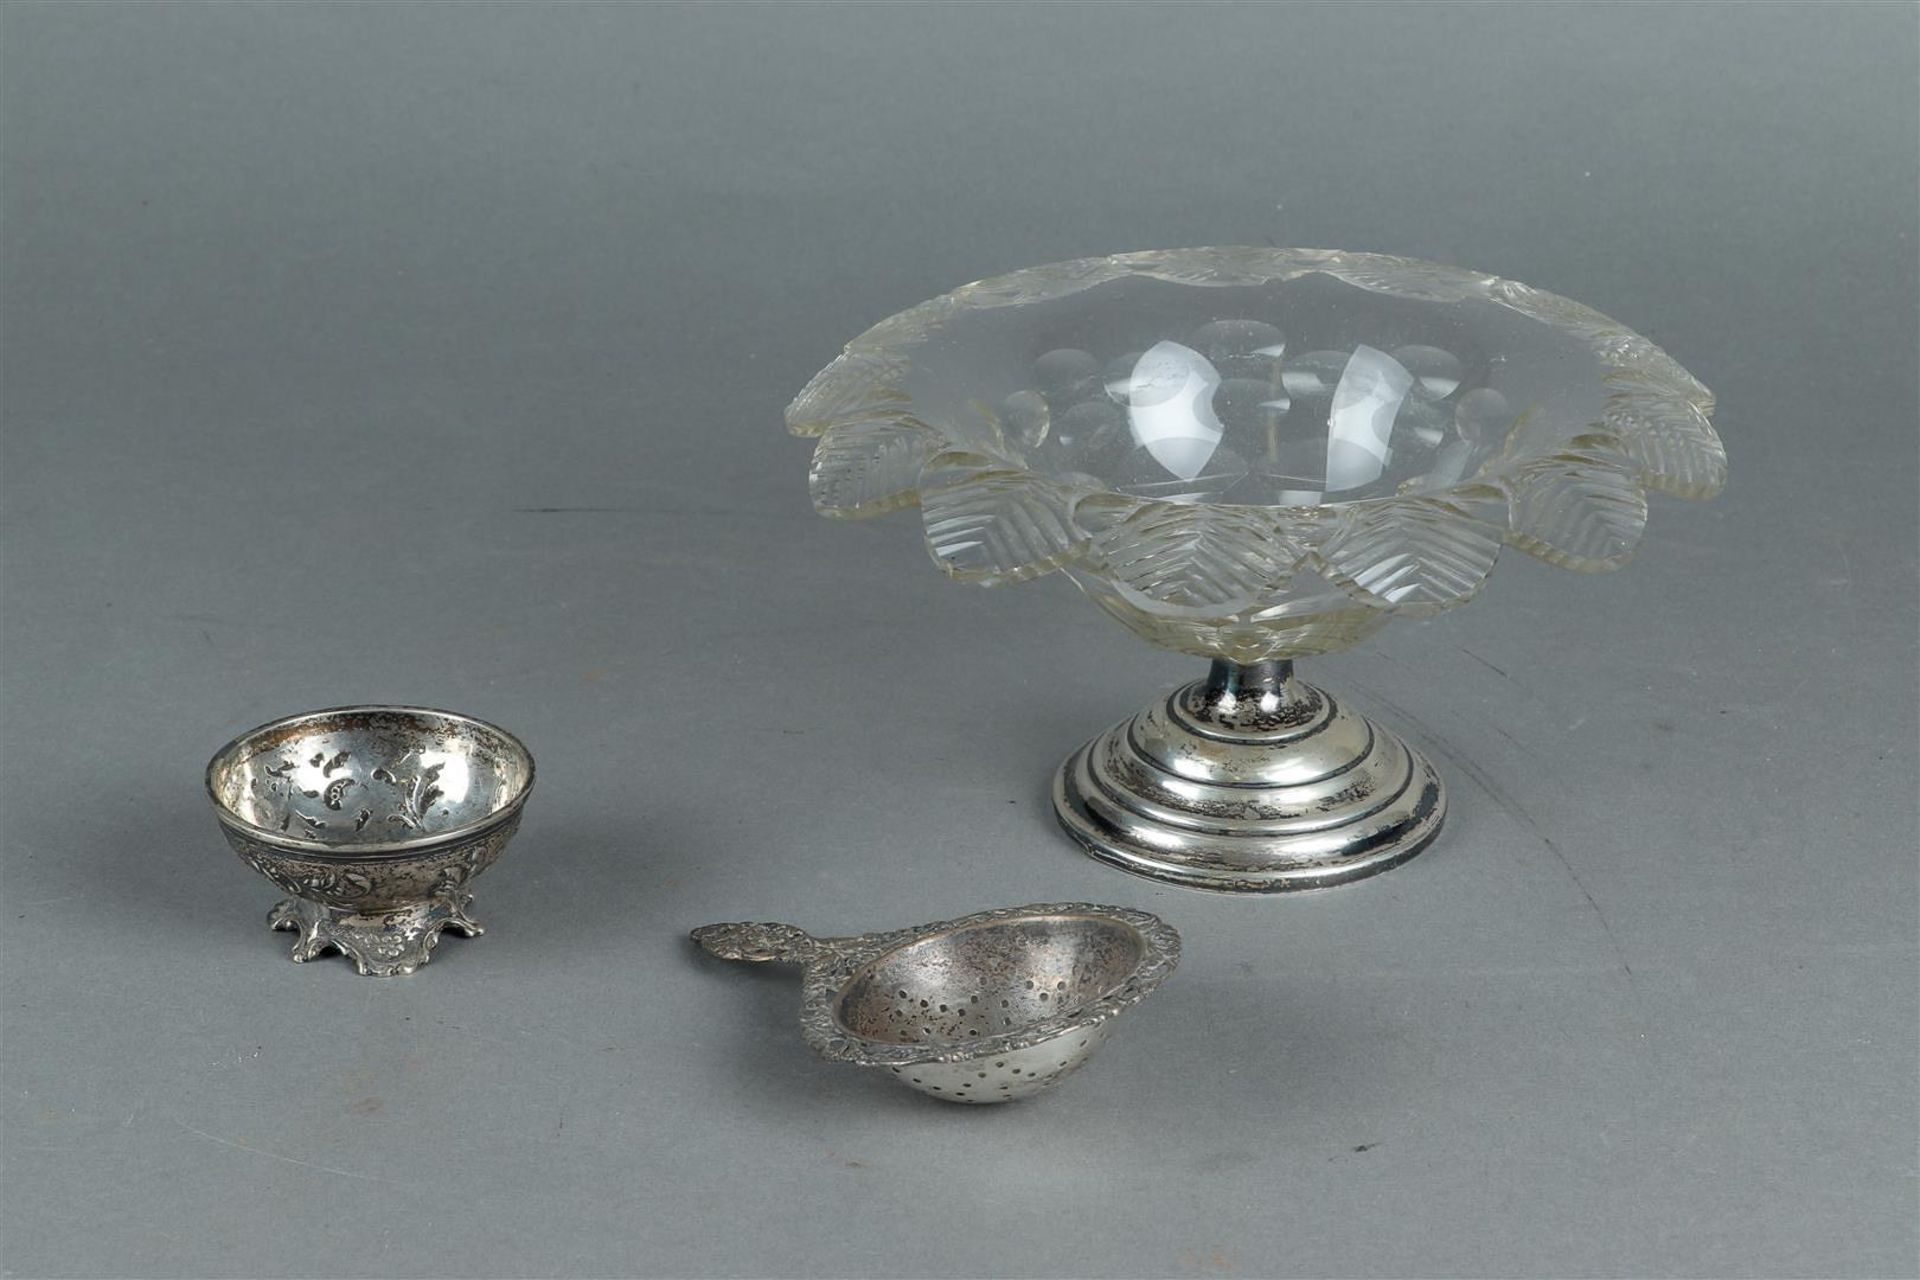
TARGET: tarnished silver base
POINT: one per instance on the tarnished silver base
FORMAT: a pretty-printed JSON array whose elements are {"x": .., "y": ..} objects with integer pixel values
[
  {"x": 382, "y": 944},
  {"x": 1250, "y": 782}
]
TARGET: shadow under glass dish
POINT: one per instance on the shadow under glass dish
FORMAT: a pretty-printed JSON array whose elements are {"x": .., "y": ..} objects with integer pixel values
[
  {"x": 374, "y": 819},
  {"x": 995, "y": 1007},
  {"x": 1254, "y": 456}
]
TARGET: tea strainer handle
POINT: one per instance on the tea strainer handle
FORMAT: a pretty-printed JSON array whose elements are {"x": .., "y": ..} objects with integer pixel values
[{"x": 757, "y": 942}]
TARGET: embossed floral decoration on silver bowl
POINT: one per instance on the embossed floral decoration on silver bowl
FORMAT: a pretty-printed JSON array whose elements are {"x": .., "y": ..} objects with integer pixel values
[
  {"x": 1256, "y": 455},
  {"x": 992, "y": 1007},
  {"x": 375, "y": 819}
]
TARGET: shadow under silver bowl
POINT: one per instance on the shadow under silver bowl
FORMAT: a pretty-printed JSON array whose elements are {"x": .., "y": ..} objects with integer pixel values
[
  {"x": 374, "y": 819},
  {"x": 992, "y": 1007}
]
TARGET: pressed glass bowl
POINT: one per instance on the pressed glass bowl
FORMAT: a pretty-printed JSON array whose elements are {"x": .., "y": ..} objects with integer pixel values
[{"x": 1255, "y": 455}]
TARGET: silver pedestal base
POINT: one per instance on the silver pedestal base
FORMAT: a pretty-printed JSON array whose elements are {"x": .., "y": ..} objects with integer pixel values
[
  {"x": 381, "y": 944},
  {"x": 1250, "y": 782}
]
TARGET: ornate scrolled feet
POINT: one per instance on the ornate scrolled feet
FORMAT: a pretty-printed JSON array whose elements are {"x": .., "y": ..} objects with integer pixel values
[{"x": 381, "y": 944}]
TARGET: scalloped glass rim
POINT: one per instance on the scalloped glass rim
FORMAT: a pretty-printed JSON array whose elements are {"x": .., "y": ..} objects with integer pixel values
[{"x": 1579, "y": 505}]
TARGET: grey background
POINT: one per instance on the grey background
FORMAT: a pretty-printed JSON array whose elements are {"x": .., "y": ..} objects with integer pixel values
[{"x": 437, "y": 353}]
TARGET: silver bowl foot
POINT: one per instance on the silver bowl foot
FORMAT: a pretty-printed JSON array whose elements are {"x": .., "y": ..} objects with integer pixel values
[
  {"x": 381, "y": 944},
  {"x": 1250, "y": 781}
]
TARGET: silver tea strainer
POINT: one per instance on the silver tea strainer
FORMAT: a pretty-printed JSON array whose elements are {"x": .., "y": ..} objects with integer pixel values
[{"x": 991, "y": 1007}]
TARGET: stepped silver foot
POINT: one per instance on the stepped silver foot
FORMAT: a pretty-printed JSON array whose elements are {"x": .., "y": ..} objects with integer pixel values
[{"x": 1250, "y": 781}]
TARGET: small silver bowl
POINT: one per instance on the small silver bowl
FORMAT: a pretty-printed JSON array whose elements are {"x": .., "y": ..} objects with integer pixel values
[
  {"x": 992, "y": 1007},
  {"x": 374, "y": 819}
]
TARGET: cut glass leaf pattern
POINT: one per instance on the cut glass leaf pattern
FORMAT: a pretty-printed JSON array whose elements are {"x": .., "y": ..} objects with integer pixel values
[
  {"x": 860, "y": 384},
  {"x": 1196, "y": 556},
  {"x": 1583, "y": 509},
  {"x": 988, "y": 524},
  {"x": 1671, "y": 441},
  {"x": 1387, "y": 422},
  {"x": 1416, "y": 557},
  {"x": 868, "y": 468}
]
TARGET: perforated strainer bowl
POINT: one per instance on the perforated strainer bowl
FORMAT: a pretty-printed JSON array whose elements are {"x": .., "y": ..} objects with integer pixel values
[{"x": 992, "y": 1007}]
